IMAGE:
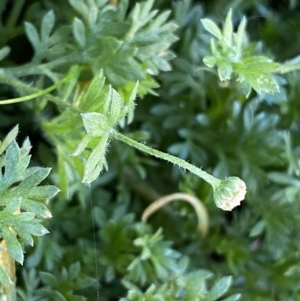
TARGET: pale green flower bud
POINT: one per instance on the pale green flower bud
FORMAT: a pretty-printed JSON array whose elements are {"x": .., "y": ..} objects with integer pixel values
[{"x": 229, "y": 193}]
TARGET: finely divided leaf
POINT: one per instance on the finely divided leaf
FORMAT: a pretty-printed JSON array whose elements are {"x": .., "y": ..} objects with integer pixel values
[
  {"x": 93, "y": 95},
  {"x": 240, "y": 36},
  {"x": 80, "y": 7},
  {"x": 33, "y": 36},
  {"x": 82, "y": 145},
  {"x": 224, "y": 69},
  {"x": 211, "y": 27},
  {"x": 4, "y": 278},
  {"x": 260, "y": 82},
  {"x": 20, "y": 197},
  {"x": 49, "y": 279},
  {"x": 220, "y": 288},
  {"x": 257, "y": 229},
  {"x": 44, "y": 192},
  {"x": 74, "y": 270},
  {"x": 32, "y": 181},
  {"x": 96, "y": 161},
  {"x": 160, "y": 20},
  {"x": 252, "y": 71},
  {"x": 13, "y": 246},
  {"x": 39, "y": 209},
  {"x": 11, "y": 161},
  {"x": 133, "y": 93},
  {"x": 146, "y": 8},
  {"x": 260, "y": 64},
  {"x": 95, "y": 124},
  {"x": 266, "y": 83},
  {"x": 10, "y": 137},
  {"x": 4, "y": 52},
  {"x": 234, "y": 297},
  {"x": 33, "y": 229},
  {"x": 131, "y": 105},
  {"x": 114, "y": 105},
  {"x": 244, "y": 86},
  {"x": 79, "y": 31},
  {"x": 255, "y": 71},
  {"x": 209, "y": 61},
  {"x": 47, "y": 25},
  {"x": 228, "y": 29},
  {"x": 12, "y": 207}
]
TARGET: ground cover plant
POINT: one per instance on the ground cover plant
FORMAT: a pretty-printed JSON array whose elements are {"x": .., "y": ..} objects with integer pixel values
[{"x": 149, "y": 150}]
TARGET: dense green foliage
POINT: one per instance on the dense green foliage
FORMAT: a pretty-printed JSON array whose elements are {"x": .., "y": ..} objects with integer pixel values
[{"x": 211, "y": 83}]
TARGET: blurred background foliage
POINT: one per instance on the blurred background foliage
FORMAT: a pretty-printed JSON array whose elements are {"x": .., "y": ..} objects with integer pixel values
[{"x": 192, "y": 116}]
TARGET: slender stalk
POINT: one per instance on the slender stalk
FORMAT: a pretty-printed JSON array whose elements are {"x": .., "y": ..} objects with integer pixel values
[
  {"x": 195, "y": 202},
  {"x": 40, "y": 92},
  {"x": 167, "y": 157}
]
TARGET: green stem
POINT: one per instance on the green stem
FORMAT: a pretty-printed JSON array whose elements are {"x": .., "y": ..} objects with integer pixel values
[
  {"x": 34, "y": 68},
  {"x": 40, "y": 92},
  {"x": 161, "y": 155}
]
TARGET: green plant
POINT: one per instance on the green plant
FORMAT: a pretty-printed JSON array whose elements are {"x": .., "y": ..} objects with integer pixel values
[
  {"x": 21, "y": 200},
  {"x": 102, "y": 80}
]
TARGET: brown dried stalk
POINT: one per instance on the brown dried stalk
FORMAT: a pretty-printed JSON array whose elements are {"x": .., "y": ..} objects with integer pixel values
[
  {"x": 8, "y": 292},
  {"x": 195, "y": 202}
]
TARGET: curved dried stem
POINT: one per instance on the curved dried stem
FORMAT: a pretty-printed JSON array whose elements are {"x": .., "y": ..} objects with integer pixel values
[{"x": 194, "y": 201}]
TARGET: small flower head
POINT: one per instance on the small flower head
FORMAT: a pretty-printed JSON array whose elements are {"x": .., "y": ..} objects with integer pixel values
[{"x": 229, "y": 193}]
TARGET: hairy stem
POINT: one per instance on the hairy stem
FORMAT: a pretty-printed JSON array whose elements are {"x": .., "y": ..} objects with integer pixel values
[{"x": 164, "y": 156}]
